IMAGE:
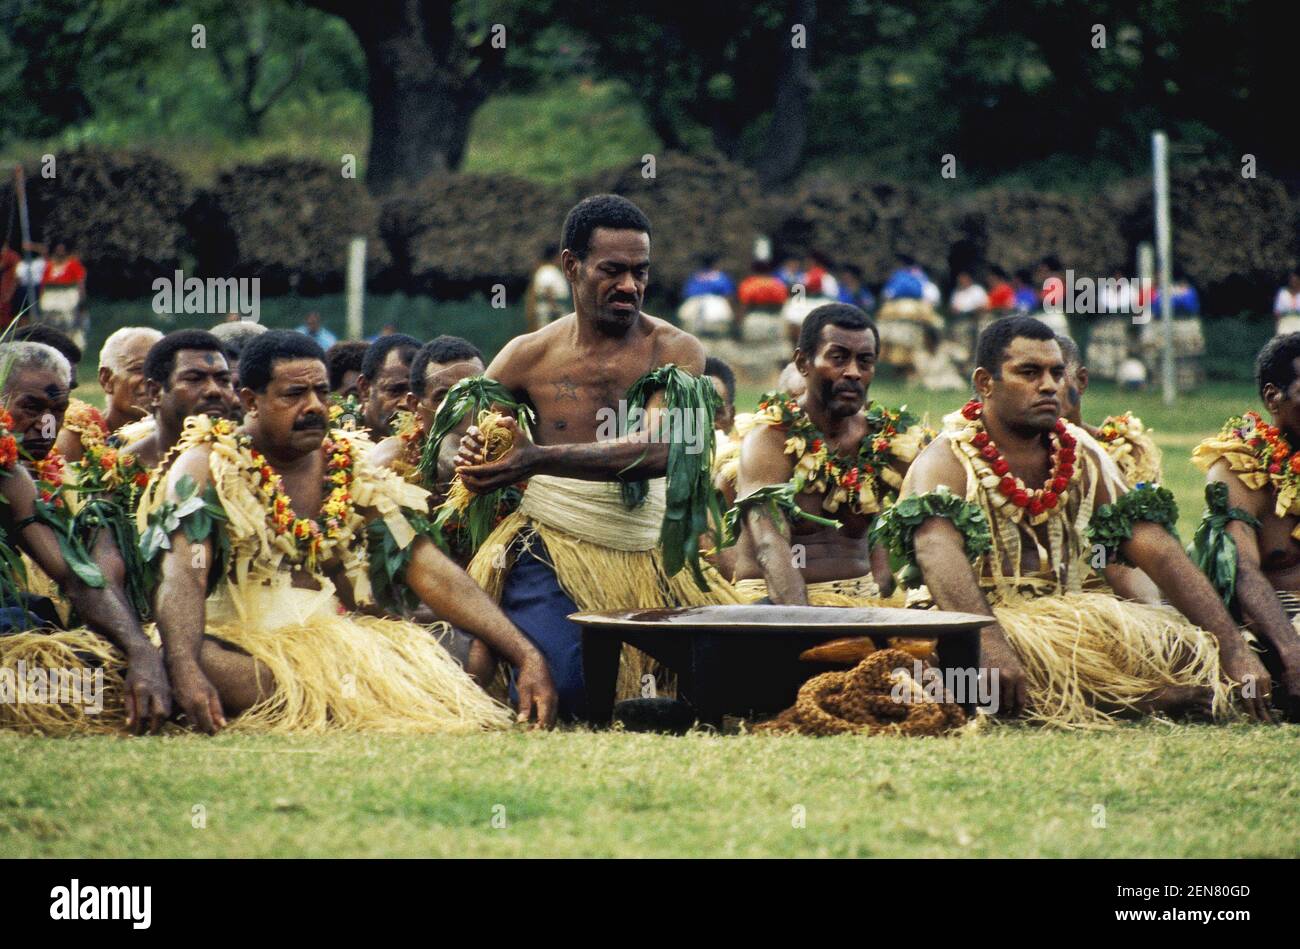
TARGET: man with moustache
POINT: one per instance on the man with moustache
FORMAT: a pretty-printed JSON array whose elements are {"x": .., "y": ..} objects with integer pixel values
[
  {"x": 292, "y": 515},
  {"x": 1008, "y": 511},
  {"x": 384, "y": 381},
  {"x": 816, "y": 470},
  {"x": 587, "y": 534}
]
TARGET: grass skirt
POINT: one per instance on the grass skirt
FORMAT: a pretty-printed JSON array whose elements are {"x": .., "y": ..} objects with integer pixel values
[
  {"x": 1085, "y": 650},
  {"x": 332, "y": 670}
]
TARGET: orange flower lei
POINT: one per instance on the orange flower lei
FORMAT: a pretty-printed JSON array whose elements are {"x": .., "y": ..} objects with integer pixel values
[
  {"x": 8, "y": 443},
  {"x": 312, "y": 539},
  {"x": 49, "y": 473}
]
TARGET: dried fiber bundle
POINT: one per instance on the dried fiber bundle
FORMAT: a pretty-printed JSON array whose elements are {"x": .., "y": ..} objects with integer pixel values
[{"x": 876, "y": 697}]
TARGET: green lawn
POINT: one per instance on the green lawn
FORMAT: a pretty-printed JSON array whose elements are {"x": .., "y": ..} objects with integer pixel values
[{"x": 1012, "y": 791}]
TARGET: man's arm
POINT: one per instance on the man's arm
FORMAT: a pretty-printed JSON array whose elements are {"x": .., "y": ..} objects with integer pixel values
[
  {"x": 453, "y": 596},
  {"x": 952, "y": 581},
  {"x": 179, "y": 606},
  {"x": 763, "y": 463},
  {"x": 105, "y": 609}
]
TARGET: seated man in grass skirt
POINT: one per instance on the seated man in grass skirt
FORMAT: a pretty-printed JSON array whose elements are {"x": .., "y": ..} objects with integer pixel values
[
  {"x": 1064, "y": 656},
  {"x": 600, "y": 527},
  {"x": 815, "y": 471},
  {"x": 69, "y": 557},
  {"x": 299, "y": 535},
  {"x": 1248, "y": 542}
]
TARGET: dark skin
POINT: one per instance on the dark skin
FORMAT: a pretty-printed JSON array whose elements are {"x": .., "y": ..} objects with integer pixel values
[
  {"x": 1020, "y": 407},
  {"x": 838, "y": 376},
  {"x": 1268, "y": 558},
  {"x": 382, "y": 396},
  {"x": 37, "y": 399},
  {"x": 582, "y": 363},
  {"x": 439, "y": 378},
  {"x": 287, "y": 423},
  {"x": 199, "y": 384},
  {"x": 1126, "y": 581}
]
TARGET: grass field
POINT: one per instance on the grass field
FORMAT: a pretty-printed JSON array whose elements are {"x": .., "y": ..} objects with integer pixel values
[{"x": 1146, "y": 790}]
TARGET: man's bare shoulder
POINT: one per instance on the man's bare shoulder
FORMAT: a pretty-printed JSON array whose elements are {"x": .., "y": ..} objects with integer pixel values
[
  {"x": 192, "y": 462},
  {"x": 674, "y": 345},
  {"x": 936, "y": 465},
  {"x": 1256, "y": 501}
]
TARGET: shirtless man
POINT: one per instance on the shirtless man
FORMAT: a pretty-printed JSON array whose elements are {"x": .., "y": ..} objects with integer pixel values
[
  {"x": 1012, "y": 431},
  {"x": 574, "y": 372},
  {"x": 121, "y": 376},
  {"x": 837, "y": 358},
  {"x": 1267, "y": 552},
  {"x": 185, "y": 374}
]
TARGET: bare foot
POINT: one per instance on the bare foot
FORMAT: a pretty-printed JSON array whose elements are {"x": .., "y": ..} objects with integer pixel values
[{"x": 1179, "y": 700}]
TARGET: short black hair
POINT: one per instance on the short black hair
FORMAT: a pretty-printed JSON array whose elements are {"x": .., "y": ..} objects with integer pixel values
[
  {"x": 161, "y": 358},
  {"x": 1276, "y": 362},
  {"x": 844, "y": 315},
  {"x": 44, "y": 333},
  {"x": 257, "y": 361},
  {"x": 444, "y": 349},
  {"x": 1069, "y": 349},
  {"x": 378, "y": 351},
  {"x": 343, "y": 357},
  {"x": 600, "y": 210},
  {"x": 713, "y": 366},
  {"x": 991, "y": 348}
]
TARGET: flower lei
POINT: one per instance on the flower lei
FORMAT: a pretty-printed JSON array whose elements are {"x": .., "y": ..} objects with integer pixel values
[
  {"x": 1128, "y": 443},
  {"x": 49, "y": 474},
  {"x": 852, "y": 481},
  {"x": 994, "y": 471},
  {"x": 104, "y": 470},
  {"x": 344, "y": 412},
  {"x": 8, "y": 443},
  {"x": 1259, "y": 454},
  {"x": 309, "y": 541}
]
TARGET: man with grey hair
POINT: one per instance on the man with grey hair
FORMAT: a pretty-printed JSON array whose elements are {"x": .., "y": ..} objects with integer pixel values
[
  {"x": 35, "y": 393},
  {"x": 121, "y": 374}
]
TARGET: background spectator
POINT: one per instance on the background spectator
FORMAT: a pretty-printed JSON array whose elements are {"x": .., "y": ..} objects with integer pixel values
[{"x": 312, "y": 327}]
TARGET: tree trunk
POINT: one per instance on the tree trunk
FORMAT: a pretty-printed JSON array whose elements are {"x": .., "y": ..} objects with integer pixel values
[
  {"x": 425, "y": 85},
  {"x": 788, "y": 133}
]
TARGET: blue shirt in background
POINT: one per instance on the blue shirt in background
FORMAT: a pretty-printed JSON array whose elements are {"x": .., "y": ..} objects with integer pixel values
[{"x": 706, "y": 282}]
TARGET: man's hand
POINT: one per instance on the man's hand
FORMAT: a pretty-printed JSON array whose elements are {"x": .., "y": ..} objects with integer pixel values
[
  {"x": 1012, "y": 693},
  {"x": 148, "y": 696},
  {"x": 1243, "y": 666},
  {"x": 198, "y": 699},
  {"x": 481, "y": 476},
  {"x": 536, "y": 691}
]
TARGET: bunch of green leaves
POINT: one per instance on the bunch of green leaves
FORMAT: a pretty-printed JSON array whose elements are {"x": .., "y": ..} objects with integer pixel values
[
  {"x": 692, "y": 505},
  {"x": 1213, "y": 550},
  {"x": 104, "y": 513},
  {"x": 55, "y": 515},
  {"x": 896, "y": 529},
  {"x": 388, "y": 561},
  {"x": 780, "y": 502},
  {"x": 199, "y": 516},
  {"x": 13, "y": 575},
  {"x": 1112, "y": 524},
  {"x": 472, "y": 395}
]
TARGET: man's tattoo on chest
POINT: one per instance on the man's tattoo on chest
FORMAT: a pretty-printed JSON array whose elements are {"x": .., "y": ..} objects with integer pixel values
[{"x": 566, "y": 390}]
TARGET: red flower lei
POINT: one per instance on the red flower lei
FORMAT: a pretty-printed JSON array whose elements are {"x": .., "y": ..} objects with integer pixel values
[
  {"x": 8, "y": 443},
  {"x": 1041, "y": 500},
  {"x": 49, "y": 473}
]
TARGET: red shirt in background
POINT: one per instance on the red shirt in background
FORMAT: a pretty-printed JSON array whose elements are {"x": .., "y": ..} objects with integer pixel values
[
  {"x": 67, "y": 274},
  {"x": 9, "y": 260},
  {"x": 762, "y": 290},
  {"x": 1002, "y": 297}
]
